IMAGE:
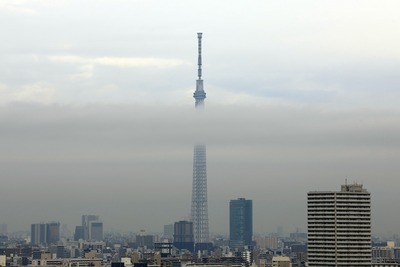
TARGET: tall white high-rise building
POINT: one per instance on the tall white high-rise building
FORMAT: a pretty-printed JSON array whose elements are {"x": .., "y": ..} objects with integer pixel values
[{"x": 339, "y": 227}]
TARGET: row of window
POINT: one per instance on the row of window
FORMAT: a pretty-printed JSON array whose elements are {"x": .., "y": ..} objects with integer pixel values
[{"x": 339, "y": 218}]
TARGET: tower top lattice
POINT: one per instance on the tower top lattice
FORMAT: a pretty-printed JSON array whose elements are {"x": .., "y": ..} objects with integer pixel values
[{"x": 199, "y": 95}]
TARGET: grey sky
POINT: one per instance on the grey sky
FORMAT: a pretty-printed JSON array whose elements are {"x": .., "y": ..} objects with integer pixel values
[{"x": 97, "y": 112}]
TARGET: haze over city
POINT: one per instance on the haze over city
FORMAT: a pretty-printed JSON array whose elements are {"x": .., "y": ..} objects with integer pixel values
[{"x": 97, "y": 114}]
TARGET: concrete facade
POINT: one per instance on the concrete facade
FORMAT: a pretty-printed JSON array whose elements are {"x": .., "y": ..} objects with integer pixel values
[{"x": 339, "y": 227}]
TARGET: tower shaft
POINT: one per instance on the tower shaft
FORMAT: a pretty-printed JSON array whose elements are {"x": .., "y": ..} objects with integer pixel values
[
  {"x": 199, "y": 195},
  {"x": 199, "y": 208}
]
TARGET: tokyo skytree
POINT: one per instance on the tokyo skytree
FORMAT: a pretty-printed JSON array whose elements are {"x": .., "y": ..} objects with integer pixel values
[{"x": 199, "y": 210}]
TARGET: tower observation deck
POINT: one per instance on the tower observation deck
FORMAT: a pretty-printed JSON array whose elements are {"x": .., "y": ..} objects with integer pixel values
[{"x": 199, "y": 209}]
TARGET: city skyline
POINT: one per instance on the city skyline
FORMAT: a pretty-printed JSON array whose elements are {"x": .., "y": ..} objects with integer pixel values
[{"x": 94, "y": 106}]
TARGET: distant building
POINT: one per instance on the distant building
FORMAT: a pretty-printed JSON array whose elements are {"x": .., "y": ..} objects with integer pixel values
[
  {"x": 163, "y": 248},
  {"x": 3, "y": 239},
  {"x": 222, "y": 262},
  {"x": 339, "y": 227},
  {"x": 247, "y": 255},
  {"x": 65, "y": 232},
  {"x": 78, "y": 233},
  {"x": 240, "y": 223},
  {"x": 48, "y": 261},
  {"x": 279, "y": 231},
  {"x": 36, "y": 255},
  {"x": 143, "y": 240},
  {"x": 53, "y": 233},
  {"x": 382, "y": 253},
  {"x": 301, "y": 237},
  {"x": 60, "y": 252},
  {"x": 86, "y": 219},
  {"x": 3, "y": 260},
  {"x": 168, "y": 230},
  {"x": 38, "y": 234},
  {"x": 298, "y": 248},
  {"x": 281, "y": 261},
  {"x": 3, "y": 229},
  {"x": 183, "y": 235},
  {"x": 127, "y": 261},
  {"x": 45, "y": 234},
  {"x": 385, "y": 264},
  {"x": 95, "y": 231},
  {"x": 267, "y": 242},
  {"x": 385, "y": 254}
]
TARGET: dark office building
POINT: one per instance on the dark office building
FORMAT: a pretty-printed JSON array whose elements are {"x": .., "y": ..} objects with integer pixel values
[
  {"x": 86, "y": 219},
  {"x": 24, "y": 261},
  {"x": 240, "y": 223},
  {"x": 183, "y": 235},
  {"x": 145, "y": 241},
  {"x": 60, "y": 252},
  {"x": 45, "y": 233},
  {"x": 36, "y": 255},
  {"x": 53, "y": 232},
  {"x": 38, "y": 234},
  {"x": 96, "y": 231},
  {"x": 78, "y": 233}
]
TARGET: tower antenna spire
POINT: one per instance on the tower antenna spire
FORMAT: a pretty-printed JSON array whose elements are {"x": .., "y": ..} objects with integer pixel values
[
  {"x": 199, "y": 36},
  {"x": 199, "y": 95}
]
